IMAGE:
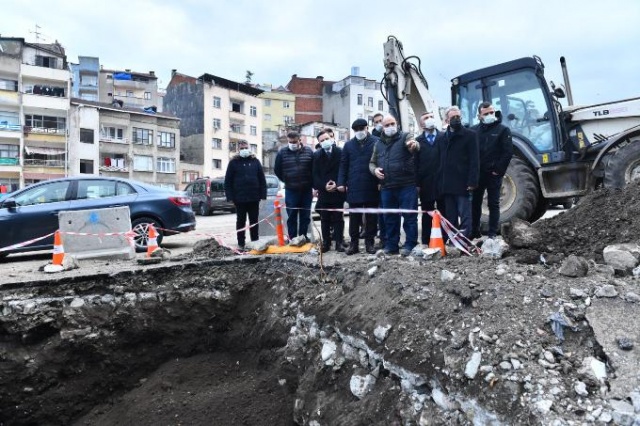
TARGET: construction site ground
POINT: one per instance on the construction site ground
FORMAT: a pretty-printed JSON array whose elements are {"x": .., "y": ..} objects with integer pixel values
[{"x": 213, "y": 338}]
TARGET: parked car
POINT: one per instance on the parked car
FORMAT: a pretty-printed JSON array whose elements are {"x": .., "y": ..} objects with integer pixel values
[
  {"x": 274, "y": 186},
  {"x": 207, "y": 195},
  {"x": 32, "y": 212}
]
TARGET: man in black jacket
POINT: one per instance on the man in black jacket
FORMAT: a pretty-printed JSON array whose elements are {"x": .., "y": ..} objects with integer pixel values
[
  {"x": 377, "y": 124},
  {"x": 326, "y": 165},
  {"x": 496, "y": 150},
  {"x": 293, "y": 167},
  {"x": 428, "y": 171},
  {"x": 377, "y": 132},
  {"x": 393, "y": 163},
  {"x": 245, "y": 185},
  {"x": 459, "y": 176}
]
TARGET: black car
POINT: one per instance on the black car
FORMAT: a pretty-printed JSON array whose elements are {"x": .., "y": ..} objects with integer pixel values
[{"x": 32, "y": 212}]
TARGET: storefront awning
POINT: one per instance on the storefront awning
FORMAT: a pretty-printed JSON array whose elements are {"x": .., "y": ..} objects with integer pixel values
[{"x": 43, "y": 151}]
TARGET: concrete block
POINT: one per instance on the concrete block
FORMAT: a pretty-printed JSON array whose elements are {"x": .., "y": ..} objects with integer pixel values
[{"x": 99, "y": 222}]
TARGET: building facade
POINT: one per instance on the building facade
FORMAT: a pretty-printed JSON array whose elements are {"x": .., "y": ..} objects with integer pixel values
[
  {"x": 278, "y": 114},
  {"x": 108, "y": 140},
  {"x": 129, "y": 88},
  {"x": 34, "y": 106},
  {"x": 215, "y": 114},
  {"x": 85, "y": 77},
  {"x": 308, "y": 93}
]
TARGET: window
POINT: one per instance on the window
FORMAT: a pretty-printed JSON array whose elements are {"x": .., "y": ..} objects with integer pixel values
[
  {"x": 254, "y": 148},
  {"x": 129, "y": 94},
  {"x": 237, "y": 128},
  {"x": 46, "y": 61},
  {"x": 9, "y": 118},
  {"x": 285, "y": 104},
  {"x": 233, "y": 146},
  {"x": 267, "y": 102},
  {"x": 142, "y": 163},
  {"x": 147, "y": 95},
  {"x": 253, "y": 111},
  {"x": 9, "y": 151},
  {"x": 10, "y": 85},
  {"x": 188, "y": 176},
  {"x": 166, "y": 165},
  {"x": 216, "y": 143},
  {"x": 112, "y": 133},
  {"x": 216, "y": 102},
  {"x": 217, "y": 164},
  {"x": 142, "y": 136},
  {"x": 86, "y": 135},
  {"x": 49, "y": 193},
  {"x": 102, "y": 189},
  {"x": 380, "y": 105},
  {"x": 370, "y": 101},
  {"x": 237, "y": 107},
  {"x": 253, "y": 130},
  {"x": 217, "y": 123},
  {"x": 288, "y": 119},
  {"x": 359, "y": 99},
  {"x": 267, "y": 117},
  {"x": 57, "y": 124},
  {"x": 86, "y": 167},
  {"x": 166, "y": 140},
  {"x": 88, "y": 80}
]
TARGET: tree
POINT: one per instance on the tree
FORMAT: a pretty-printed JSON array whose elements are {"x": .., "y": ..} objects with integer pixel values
[{"x": 248, "y": 77}]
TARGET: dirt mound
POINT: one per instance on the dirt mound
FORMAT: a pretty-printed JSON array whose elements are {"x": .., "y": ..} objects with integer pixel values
[{"x": 607, "y": 216}]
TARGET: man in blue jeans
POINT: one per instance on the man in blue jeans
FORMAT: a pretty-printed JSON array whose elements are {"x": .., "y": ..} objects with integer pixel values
[
  {"x": 496, "y": 150},
  {"x": 393, "y": 163},
  {"x": 293, "y": 166}
]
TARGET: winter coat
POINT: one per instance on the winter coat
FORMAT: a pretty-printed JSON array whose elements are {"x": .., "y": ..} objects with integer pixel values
[
  {"x": 397, "y": 162},
  {"x": 460, "y": 162},
  {"x": 244, "y": 181},
  {"x": 325, "y": 168},
  {"x": 362, "y": 187},
  {"x": 294, "y": 167},
  {"x": 428, "y": 165},
  {"x": 496, "y": 147}
]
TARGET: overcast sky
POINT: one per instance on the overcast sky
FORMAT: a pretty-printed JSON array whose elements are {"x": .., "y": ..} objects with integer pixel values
[{"x": 276, "y": 39}]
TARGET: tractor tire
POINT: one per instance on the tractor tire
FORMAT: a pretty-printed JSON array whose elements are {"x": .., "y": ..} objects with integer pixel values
[
  {"x": 541, "y": 209},
  {"x": 623, "y": 166},
  {"x": 519, "y": 195},
  {"x": 141, "y": 228}
]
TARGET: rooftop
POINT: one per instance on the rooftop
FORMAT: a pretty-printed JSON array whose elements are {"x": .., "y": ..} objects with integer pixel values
[{"x": 111, "y": 107}]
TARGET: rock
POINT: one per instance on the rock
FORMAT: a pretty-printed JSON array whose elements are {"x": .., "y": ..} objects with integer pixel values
[
  {"x": 606, "y": 291},
  {"x": 580, "y": 388},
  {"x": 623, "y": 257},
  {"x": 372, "y": 271},
  {"x": 69, "y": 263},
  {"x": 431, "y": 254},
  {"x": 576, "y": 293},
  {"x": 623, "y": 412},
  {"x": 636, "y": 271},
  {"x": 625, "y": 343},
  {"x": 549, "y": 357},
  {"x": 262, "y": 244},
  {"x": 149, "y": 260},
  {"x": 592, "y": 371},
  {"x": 574, "y": 266},
  {"x": 442, "y": 400},
  {"x": 505, "y": 365},
  {"x": 473, "y": 364},
  {"x": 77, "y": 303},
  {"x": 544, "y": 406},
  {"x": 632, "y": 297},
  {"x": 635, "y": 399},
  {"x": 361, "y": 384},
  {"x": 546, "y": 291},
  {"x": 519, "y": 233},
  {"x": 381, "y": 332},
  {"x": 328, "y": 351},
  {"x": 605, "y": 417},
  {"x": 517, "y": 365},
  {"x": 446, "y": 276},
  {"x": 494, "y": 248},
  {"x": 52, "y": 269}
]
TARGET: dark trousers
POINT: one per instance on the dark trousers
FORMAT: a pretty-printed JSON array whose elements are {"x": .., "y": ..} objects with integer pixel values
[
  {"x": 331, "y": 221},
  {"x": 458, "y": 212},
  {"x": 492, "y": 184},
  {"x": 252, "y": 209},
  {"x": 356, "y": 219},
  {"x": 299, "y": 218},
  {"x": 381, "y": 228},
  {"x": 405, "y": 197},
  {"x": 428, "y": 203}
]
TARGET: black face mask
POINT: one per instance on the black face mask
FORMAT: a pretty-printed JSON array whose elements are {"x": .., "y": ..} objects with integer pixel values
[{"x": 455, "y": 123}]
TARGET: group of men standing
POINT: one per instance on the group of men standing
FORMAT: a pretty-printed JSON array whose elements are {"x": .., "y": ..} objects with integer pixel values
[{"x": 449, "y": 169}]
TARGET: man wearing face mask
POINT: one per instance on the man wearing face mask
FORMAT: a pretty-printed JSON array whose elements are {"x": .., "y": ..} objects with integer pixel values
[
  {"x": 428, "y": 171},
  {"x": 377, "y": 132},
  {"x": 245, "y": 185},
  {"x": 326, "y": 164},
  {"x": 293, "y": 166},
  {"x": 393, "y": 163},
  {"x": 377, "y": 125},
  {"x": 360, "y": 185},
  {"x": 459, "y": 170},
  {"x": 496, "y": 150}
]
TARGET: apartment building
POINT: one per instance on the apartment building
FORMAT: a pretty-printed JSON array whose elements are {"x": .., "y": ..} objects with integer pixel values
[
  {"x": 129, "y": 88},
  {"x": 109, "y": 140},
  {"x": 308, "y": 93},
  {"x": 86, "y": 74},
  {"x": 34, "y": 106},
  {"x": 278, "y": 114},
  {"x": 215, "y": 114}
]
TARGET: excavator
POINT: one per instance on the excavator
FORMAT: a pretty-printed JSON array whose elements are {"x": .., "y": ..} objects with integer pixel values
[{"x": 560, "y": 152}]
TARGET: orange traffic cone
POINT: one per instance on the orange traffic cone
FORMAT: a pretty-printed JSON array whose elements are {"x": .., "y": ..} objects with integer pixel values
[
  {"x": 435, "y": 239},
  {"x": 58, "y": 249},
  {"x": 152, "y": 240}
]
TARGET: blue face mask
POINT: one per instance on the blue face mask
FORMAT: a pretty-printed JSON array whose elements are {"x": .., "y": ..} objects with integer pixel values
[
  {"x": 245, "y": 152},
  {"x": 489, "y": 119},
  {"x": 326, "y": 144}
]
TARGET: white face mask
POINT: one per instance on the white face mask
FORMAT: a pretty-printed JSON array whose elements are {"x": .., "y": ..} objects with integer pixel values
[
  {"x": 293, "y": 146},
  {"x": 430, "y": 123},
  {"x": 379, "y": 127},
  {"x": 245, "y": 152},
  {"x": 326, "y": 144},
  {"x": 361, "y": 134},
  {"x": 489, "y": 119},
  {"x": 390, "y": 131}
]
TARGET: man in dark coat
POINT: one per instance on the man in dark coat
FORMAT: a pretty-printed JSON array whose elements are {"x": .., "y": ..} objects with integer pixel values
[
  {"x": 361, "y": 187},
  {"x": 496, "y": 150},
  {"x": 245, "y": 185},
  {"x": 293, "y": 167},
  {"x": 326, "y": 164},
  {"x": 459, "y": 176},
  {"x": 393, "y": 163},
  {"x": 377, "y": 132},
  {"x": 429, "y": 171},
  {"x": 377, "y": 124}
]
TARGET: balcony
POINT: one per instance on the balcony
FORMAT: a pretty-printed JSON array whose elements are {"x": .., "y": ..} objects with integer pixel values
[
  {"x": 43, "y": 101},
  {"x": 9, "y": 98},
  {"x": 45, "y": 73},
  {"x": 111, "y": 139},
  {"x": 37, "y": 162},
  {"x": 235, "y": 115},
  {"x": 9, "y": 161},
  {"x": 45, "y": 130},
  {"x": 131, "y": 84},
  {"x": 10, "y": 130}
]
